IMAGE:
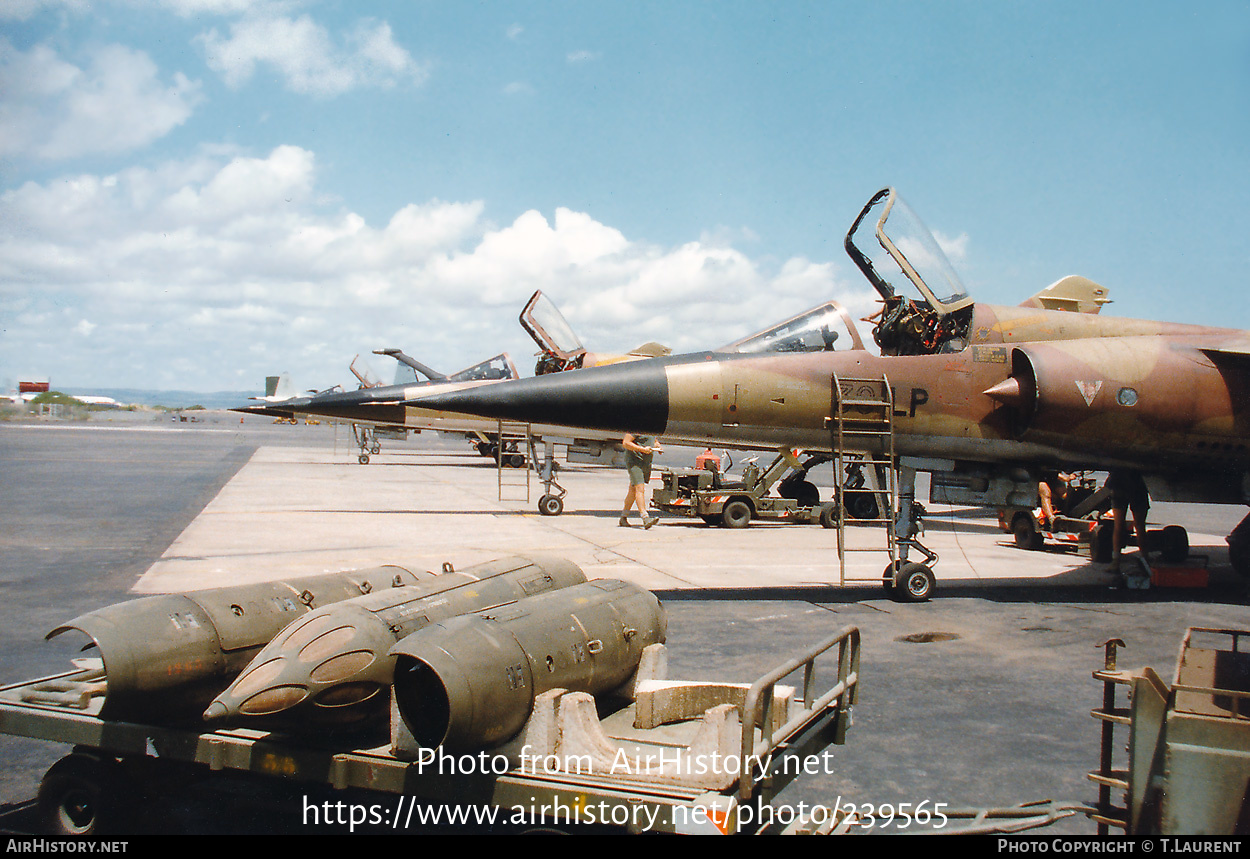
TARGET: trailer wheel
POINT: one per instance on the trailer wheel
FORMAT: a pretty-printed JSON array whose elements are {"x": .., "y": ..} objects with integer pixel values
[
  {"x": 737, "y": 514},
  {"x": 1174, "y": 544},
  {"x": 1026, "y": 535},
  {"x": 914, "y": 583},
  {"x": 550, "y": 505},
  {"x": 829, "y": 516},
  {"x": 78, "y": 794}
]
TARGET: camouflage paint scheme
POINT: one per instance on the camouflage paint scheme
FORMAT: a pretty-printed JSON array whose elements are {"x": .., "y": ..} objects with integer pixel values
[
  {"x": 1187, "y": 416},
  {"x": 1013, "y": 388},
  {"x": 384, "y": 405}
]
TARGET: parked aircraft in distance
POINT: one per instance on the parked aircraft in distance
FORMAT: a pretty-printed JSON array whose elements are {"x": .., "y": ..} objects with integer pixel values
[{"x": 375, "y": 409}]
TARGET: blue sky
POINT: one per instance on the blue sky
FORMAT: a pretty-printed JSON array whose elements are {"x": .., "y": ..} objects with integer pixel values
[{"x": 199, "y": 193}]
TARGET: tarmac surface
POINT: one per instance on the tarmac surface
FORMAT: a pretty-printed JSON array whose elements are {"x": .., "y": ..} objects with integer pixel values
[{"x": 977, "y": 698}]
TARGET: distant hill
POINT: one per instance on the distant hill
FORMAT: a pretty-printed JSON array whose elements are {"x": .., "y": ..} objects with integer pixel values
[{"x": 172, "y": 399}]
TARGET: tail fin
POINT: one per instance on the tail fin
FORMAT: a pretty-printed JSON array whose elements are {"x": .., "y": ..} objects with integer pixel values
[{"x": 279, "y": 388}]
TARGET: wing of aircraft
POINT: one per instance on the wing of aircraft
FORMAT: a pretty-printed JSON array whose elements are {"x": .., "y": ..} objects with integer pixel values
[{"x": 984, "y": 397}]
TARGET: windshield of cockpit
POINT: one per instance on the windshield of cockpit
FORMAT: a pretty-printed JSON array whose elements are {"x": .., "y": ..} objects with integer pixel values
[
  {"x": 499, "y": 367},
  {"x": 549, "y": 328},
  {"x": 924, "y": 307},
  {"x": 816, "y": 330},
  {"x": 904, "y": 255}
]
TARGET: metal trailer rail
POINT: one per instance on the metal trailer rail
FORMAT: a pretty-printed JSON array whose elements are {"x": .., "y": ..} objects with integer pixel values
[{"x": 77, "y": 790}]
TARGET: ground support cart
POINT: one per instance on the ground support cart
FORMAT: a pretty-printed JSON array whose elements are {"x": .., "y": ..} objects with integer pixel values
[
  {"x": 718, "y": 500},
  {"x": 668, "y": 724},
  {"x": 1186, "y": 770}
]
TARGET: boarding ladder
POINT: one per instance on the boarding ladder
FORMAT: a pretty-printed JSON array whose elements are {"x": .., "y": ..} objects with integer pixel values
[
  {"x": 514, "y": 460},
  {"x": 861, "y": 428}
]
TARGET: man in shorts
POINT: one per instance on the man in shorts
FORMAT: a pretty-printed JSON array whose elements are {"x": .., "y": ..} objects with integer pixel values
[
  {"x": 639, "y": 449},
  {"x": 1128, "y": 494}
]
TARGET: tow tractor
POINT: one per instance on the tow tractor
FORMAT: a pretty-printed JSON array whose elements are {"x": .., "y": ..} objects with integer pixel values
[{"x": 718, "y": 500}]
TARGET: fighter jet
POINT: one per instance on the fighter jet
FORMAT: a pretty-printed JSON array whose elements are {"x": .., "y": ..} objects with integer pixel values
[
  {"x": 376, "y": 409},
  {"x": 983, "y": 397},
  {"x": 369, "y": 425},
  {"x": 406, "y": 370}
]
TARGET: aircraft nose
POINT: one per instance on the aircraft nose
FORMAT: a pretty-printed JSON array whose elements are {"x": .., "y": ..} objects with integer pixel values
[{"x": 629, "y": 397}]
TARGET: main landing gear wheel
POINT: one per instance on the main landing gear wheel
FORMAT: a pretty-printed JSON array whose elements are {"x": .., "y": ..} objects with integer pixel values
[
  {"x": 550, "y": 505},
  {"x": 363, "y": 459}
]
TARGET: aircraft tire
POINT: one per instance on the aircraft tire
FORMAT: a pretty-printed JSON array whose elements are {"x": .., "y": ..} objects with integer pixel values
[
  {"x": 914, "y": 583},
  {"x": 550, "y": 505},
  {"x": 736, "y": 514},
  {"x": 363, "y": 459}
]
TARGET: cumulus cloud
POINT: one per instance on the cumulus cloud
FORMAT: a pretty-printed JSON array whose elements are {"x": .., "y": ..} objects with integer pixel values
[
  {"x": 956, "y": 249},
  {"x": 212, "y": 272},
  {"x": 54, "y": 109},
  {"x": 308, "y": 60}
]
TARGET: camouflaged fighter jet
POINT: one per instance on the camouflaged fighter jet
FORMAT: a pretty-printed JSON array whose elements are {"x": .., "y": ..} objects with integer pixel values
[
  {"x": 376, "y": 409},
  {"x": 983, "y": 397},
  {"x": 281, "y": 400}
]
